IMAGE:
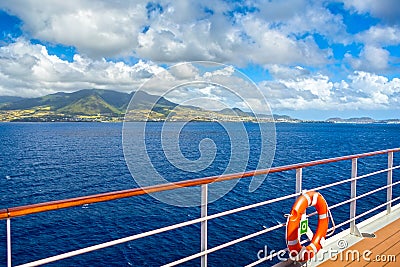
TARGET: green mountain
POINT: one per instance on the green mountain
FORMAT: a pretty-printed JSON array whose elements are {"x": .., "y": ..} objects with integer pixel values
[
  {"x": 9, "y": 99},
  {"x": 108, "y": 105},
  {"x": 146, "y": 101},
  {"x": 235, "y": 112},
  {"x": 90, "y": 105},
  {"x": 88, "y": 102}
]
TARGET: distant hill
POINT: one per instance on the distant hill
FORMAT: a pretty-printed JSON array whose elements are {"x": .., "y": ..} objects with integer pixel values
[
  {"x": 144, "y": 100},
  {"x": 88, "y": 101},
  {"x": 235, "y": 112},
  {"x": 9, "y": 99},
  {"x": 363, "y": 120},
  {"x": 352, "y": 120},
  {"x": 108, "y": 105},
  {"x": 89, "y": 105},
  {"x": 390, "y": 121}
]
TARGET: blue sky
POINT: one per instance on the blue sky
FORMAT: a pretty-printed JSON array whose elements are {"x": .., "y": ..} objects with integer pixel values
[{"x": 310, "y": 59}]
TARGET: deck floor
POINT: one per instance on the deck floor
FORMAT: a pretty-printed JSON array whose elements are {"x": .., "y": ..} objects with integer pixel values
[{"x": 385, "y": 250}]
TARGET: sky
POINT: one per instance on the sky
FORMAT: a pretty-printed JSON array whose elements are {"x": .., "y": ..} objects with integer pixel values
[{"x": 309, "y": 59}]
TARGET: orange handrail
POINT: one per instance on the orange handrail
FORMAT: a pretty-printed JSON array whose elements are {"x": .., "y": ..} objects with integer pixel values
[{"x": 78, "y": 201}]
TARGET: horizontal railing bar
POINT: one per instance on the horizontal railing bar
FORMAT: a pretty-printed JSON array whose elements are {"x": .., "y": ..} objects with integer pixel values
[
  {"x": 4, "y": 214},
  {"x": 355, "y": 198},
  {"x": 187, "y": 223},
  {"x": 73, "y": 202},
  {"x": 156, "y": 231},
  {"x": 341, "y": 224},
  {"x": 228, "y": 212},
  {"x": 233, "y": 242},
  {"x": 302, "y": 242},
  {"x": 153, "y": 232},
  {"x": 224, "y": 245},
  {"x": 354, "y": 178},
  {"x": 365, "y": 213},
  {"x": 363, "y": 195},
  {"x": 376, "y": 208},
  {"x": 111, "y": 243}
]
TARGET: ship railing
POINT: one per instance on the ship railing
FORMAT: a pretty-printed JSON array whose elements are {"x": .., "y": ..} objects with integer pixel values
[{"x": 10, "y": 213}]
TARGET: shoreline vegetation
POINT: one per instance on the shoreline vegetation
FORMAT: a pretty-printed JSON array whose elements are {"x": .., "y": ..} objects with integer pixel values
[
  {"x": 95, "y": 105},
  {"x": 40, "y": 116}
]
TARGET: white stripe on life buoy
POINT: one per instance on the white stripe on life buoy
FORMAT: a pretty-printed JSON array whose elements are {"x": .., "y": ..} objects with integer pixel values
[
  {"x": 314, "y": 199},
  {"x": 308, "y": 199},
  {"x": 314, "y": 248},
  {"x": 323, "y": 216}
]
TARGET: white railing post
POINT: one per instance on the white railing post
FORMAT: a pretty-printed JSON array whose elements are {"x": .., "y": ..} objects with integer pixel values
[
  {"x": 8, "y": 242},
  {"x": 204, "y": 206},
  {"x": 299, "y": 179},
  {"x": 353, "y": 194},
  {"x": 389, "y": 183}
]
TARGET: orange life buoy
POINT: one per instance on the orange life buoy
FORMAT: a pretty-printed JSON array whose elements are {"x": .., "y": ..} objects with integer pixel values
[{"x": 306, "y": 200}]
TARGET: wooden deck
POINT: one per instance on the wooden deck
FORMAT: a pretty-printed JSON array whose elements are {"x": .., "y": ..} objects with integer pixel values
[{"x": 385, "y": 250}]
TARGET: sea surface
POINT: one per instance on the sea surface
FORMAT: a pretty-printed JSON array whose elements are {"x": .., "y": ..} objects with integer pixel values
[{"x": 50, "y": 161}]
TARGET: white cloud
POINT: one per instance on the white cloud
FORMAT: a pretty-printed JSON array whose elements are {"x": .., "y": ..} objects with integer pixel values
[
  {"x": 284, "y": 73},
  {"x": 217, "y": 83},
  {"x": 296, "y": 89},
  {"x": 370, "y": 83},
  {"x": 98, "y": 29},
  {"x": 28, "y": 70},
  {"x": 380, "y": 36},
  {"x": 274, "y": 46},
  {"x": 376, "y": 58},
  {"x": 300, "y": 79},
  {"x": 242, "y": 37},
  {"x": 319, "y": 86},
  {"x": 226, "y": 71},
  {"x": 388, "y": 10},
  {"x": 276, "y": 35},
  {"x": 174, "y": 31},
  {"x": 371, "y": 58},
  {"x": 312, "y": 18},
  {"x": 185, "y": 71},
  {"x": 361, "y": 90}
]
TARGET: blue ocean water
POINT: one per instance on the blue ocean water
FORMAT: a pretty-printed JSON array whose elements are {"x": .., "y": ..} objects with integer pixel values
[{"x": 50, "y": 161}]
